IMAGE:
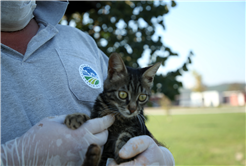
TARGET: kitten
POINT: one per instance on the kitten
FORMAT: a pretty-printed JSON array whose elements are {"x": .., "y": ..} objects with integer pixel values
[{"x": 126, "y": 91}]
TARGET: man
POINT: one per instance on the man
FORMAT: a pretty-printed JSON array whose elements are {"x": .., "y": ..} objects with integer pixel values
[{"x": 42, "y": 82}]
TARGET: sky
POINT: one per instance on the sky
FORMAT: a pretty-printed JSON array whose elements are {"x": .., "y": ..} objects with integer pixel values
[{"x": 215, "y": 32}]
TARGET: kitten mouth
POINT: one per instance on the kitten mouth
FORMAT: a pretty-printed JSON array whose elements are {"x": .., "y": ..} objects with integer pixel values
[{"x": 127, "y": 113}]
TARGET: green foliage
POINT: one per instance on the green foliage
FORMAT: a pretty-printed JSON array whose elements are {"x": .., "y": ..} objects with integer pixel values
[
  {"x": 128, "y": 28},
  {"x": 236, "y": 87}
]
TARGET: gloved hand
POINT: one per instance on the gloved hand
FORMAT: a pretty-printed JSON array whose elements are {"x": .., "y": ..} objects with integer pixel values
[
  {"x": 149, "y": 153},
  {"x": 51, "y": 142}
]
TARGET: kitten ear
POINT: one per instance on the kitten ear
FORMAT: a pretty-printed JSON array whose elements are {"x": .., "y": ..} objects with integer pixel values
[
  {"x": 149, "y": 74},
  {"x": 116, "y": 67}
]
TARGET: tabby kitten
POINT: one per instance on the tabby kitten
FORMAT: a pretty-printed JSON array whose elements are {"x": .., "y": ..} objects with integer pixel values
[{"x": 126, "y": 91}]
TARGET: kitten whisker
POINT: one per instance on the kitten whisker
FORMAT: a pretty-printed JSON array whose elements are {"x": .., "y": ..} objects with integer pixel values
[{"x": 143, "y": 117}]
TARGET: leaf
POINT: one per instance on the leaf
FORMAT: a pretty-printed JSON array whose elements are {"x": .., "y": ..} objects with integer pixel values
[
  {"x": 177, "y": 73},
  {"x": 161, "y": 59},
  {"x": 189, "y": 60},
  {"x": 185, "y": 67},
  {"x": 170, "y": 52},
  {"x": 173, "y": 4},
  {"x": 191, "y": 53}
]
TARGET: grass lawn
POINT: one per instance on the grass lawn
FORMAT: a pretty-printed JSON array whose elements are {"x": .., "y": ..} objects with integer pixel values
[{"x": 208, "y": 139}]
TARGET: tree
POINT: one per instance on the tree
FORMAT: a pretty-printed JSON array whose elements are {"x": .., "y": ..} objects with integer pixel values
[
  {"x": 128, "y": 28},
  {"x": 236, "y": 87},
  {"x": 199, "y": 87}
]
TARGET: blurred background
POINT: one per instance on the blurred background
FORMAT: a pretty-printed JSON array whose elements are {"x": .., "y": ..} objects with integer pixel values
[{"x": 197, "y": 108}]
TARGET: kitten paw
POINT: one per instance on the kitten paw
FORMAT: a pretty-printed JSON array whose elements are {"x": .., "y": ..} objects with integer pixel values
[
  {"x": 74, "y": 121},
  {"x": 119, "y": 160},
  {"x": 121, "y": 141},
  {"x": 92, "y": 156}
]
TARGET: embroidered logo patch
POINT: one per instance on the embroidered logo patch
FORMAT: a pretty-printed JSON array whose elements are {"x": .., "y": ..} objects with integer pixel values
[{"x": 90, "y": 76}]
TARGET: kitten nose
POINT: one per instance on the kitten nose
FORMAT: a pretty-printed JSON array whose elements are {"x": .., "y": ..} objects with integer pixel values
[{"x": 132, "y": 108}]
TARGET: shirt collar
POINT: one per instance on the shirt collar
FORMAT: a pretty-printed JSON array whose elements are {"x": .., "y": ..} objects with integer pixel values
[{"x": 50, "y": 12}]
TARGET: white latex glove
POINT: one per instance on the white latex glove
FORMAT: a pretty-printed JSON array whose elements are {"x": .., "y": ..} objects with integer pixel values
[
  {"x": 149, "y": 153},
  {"x": 51, "y": 142}
]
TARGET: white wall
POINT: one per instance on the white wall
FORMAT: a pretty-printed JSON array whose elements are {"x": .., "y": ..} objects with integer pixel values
[
  {"x": 211, "y": 98},
  {"x": 196, "y": 99},
  {"x": 207, "y": 99},
  {"x": 241, "y": 100}
]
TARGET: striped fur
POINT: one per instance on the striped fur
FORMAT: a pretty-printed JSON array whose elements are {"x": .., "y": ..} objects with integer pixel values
[{"x": 127, "y": 124}]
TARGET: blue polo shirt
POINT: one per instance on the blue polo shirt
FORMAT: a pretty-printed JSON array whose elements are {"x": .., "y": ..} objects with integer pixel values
[{"x": 62, "y": 72}]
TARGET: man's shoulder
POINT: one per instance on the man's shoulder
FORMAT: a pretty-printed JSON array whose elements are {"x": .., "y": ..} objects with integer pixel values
[
  {"x": 70, "y": 30},
  {"x": 75, "y": 34}
]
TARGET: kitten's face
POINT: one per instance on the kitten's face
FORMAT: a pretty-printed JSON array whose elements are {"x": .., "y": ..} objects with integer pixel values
[
  {"x": 128, "y": 88},
  {"x": 131, "y": 94},
  {"x": 130, "y": 104}
]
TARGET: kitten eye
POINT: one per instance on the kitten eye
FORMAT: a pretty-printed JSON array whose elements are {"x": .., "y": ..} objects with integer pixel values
[
  {"x": 123, "y": 94},
  {"x": 142, "y": 97}
]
